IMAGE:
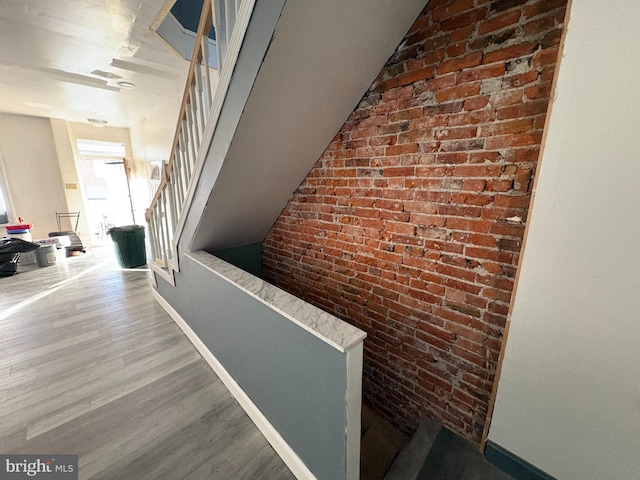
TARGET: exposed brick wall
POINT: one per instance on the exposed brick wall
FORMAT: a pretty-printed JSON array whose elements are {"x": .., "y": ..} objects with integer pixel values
[{"x": 410, "y": 224}]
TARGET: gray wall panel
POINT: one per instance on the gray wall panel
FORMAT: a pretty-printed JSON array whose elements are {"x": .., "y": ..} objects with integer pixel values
[{"x": 294, "y": 378}]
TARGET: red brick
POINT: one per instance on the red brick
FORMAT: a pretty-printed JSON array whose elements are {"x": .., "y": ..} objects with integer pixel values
[
  {"x": 416, "y": 75},
  {"x": 507, "y": 127},
  {"x": 475, "y": 74},
  {"x": 401, "y": 227},
  {"x": 470, "y": 185},
  {"x": 459, "y": 21},
  {"x": 498, "y": 22},
  {"x": 511, "y": 201},
  {"x": 511, "y": 52},
  {"x": 499, "y": 185},
  {"x": 477, "y": 170},
  {"x": 456, "y": 49},
  {"x": 521, "y": 180},
  {"x": 547, "y": 72},
  {"x": 545, "y": 57},
  {"x": 506, "y": 98},
  {"x": 472, "y": 118},
  {"x": 452, "y": 157},
  {"x": 501, "y": 5},
  {"x": 520, "y": 80},
  {"x": 468, "y": 225},
  {"x": 460, "y": 211},
  {"x": 543, "y": 6},
  {"x": 523, "y": 110},
  {"x": 509, "y": 229},
  {"x": 538, "y": 91},
  {"x": 472, "y": 199},
  {"x": 397, "y": 93},
  {"x": 462, "y": 91},
  {"x": 401, "y": 149},
  {"x": 484, "y": 253},
  {"x": 514, "y": 140},
  {"x": 476, "y": 103},
  {"x": 433, "y": 57},
  {"x": 546, "y": 23},
  {"x": 452, "y": 8},
  {"x": 455, "y": 133},
  {"x": 460, "y": 34},
  {"x": 457, "y": 64},
  {"x": 523, "y": 155},
  {"x": 539, "y": 122},
  {"x": 405, "y": 115}
]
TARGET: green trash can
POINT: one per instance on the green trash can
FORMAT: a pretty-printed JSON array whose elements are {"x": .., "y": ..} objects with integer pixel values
[{"x": 128, "y": 243}]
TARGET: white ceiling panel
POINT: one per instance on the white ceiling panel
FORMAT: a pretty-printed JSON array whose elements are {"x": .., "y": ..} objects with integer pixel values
[{"x": 49, "y": 50}]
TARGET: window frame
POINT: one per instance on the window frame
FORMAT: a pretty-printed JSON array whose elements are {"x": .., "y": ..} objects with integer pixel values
[{"x": 6, "y": 195}]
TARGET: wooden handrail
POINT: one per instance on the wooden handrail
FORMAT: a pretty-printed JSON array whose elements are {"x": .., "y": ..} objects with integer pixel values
[{"x": 204, "y": 26}]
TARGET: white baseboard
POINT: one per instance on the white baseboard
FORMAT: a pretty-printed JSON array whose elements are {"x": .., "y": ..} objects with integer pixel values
[{"x": 282, "y": 448}]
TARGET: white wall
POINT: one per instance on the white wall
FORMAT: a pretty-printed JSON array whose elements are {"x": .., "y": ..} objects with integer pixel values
[
  {"x": 69, "y": 172},
  {"x": 569, "y": 396},
  {"x": 152, "y": 139},
  {"x": 39, "y": 156},
  {"x": 33, "y": 175}
]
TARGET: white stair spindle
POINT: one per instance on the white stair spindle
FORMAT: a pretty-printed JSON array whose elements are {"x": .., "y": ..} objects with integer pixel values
[
  {"x": 206, "y": 73},
  {"x": 186, "y": 151},
  {"x": 199, "y": 98},
  {"x": 184, "y": 180},
  {"x": 163, "y": 249},
  {"x": 173, "y": 207},
  {"x": 193, "y": 115},
  {"x": 167, "y": 224},
  {"x": 177, "y": 179},
  {"x": 152, "y": 237},
  {"x": 219, "y": 21},
  {"x": 193, "y": 149}
]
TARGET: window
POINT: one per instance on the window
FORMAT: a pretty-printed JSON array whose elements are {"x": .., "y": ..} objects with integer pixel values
[
  {"x": 6, "y": 212},
  {"x": 104, "y": 176},
  {"x": 96, "y": 148}
]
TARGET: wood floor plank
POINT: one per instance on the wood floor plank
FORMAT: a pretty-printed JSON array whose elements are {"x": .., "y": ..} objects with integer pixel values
[
  {"x": 182, "y": 447},
  {"x": 75, "y": 407},
  {"x": 91, "y": 365}
]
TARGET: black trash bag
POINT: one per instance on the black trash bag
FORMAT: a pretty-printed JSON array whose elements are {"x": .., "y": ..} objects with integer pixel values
[
  {"x": 8, "y": 264},
  {"x": 10, "y": 250},
  {"x": 16, "y": 245}
]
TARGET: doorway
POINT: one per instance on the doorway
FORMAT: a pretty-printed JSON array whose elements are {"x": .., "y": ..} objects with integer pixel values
[{"x": 104, "y": 175}]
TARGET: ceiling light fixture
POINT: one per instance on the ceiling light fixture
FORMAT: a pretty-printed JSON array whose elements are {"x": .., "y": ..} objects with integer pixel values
[
  {"x": 124, "y": 84},
  {"x": 97, "y": 122}
]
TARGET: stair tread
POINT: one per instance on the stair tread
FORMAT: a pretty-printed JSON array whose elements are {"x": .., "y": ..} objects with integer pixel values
[
  {"x": 453, "y": 458},
  {"x": 411, "y": 459}
]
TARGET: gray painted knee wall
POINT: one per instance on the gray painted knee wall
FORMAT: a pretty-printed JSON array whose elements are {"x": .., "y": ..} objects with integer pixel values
[{"x": 299, "y": 374}]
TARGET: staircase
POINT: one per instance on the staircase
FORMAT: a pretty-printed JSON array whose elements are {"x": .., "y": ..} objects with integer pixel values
[
  {"x": 291, "y": 72},
  {"x": 436, "y": 453},
  {"x": 200, "y": 109},
  {"x": 412, "y": 458}
]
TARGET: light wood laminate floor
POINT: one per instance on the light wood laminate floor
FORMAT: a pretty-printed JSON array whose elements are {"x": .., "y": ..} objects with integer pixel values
[{"x": 91, "y": 365}]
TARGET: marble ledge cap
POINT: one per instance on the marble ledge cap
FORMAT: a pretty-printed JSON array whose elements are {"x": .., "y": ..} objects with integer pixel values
[{"x": 329, "y": 328}]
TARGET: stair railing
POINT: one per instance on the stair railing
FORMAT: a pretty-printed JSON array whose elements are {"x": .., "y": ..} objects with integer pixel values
[{"x": 196, "y": 112}]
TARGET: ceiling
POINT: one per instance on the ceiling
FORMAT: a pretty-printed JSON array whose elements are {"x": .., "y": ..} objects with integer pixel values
[{"x": 63, "y": 59}]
